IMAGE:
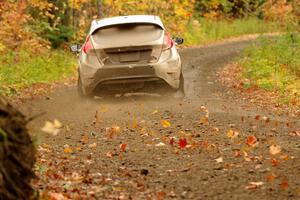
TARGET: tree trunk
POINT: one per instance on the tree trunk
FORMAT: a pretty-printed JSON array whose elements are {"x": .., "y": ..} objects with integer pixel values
[
  {"x": 17, "y": 154},
  {"x": 99, "y": 6}
]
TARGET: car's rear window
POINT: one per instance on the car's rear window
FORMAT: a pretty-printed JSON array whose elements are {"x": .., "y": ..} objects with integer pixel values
[{"x": 121, "y": 33}]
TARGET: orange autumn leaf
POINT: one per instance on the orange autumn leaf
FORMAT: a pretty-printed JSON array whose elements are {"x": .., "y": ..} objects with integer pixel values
[
  {"x": 122, "y": 147},
  {"x": 164, "y": 139},
  {"x": 271, "y": 177},
  {"x": 274, "y": 162},
  {"x": 284, "y": 184},
  {"x": 68, "y": 150},
  {"x": 285, "y": 157},
  {"x": 161, "y": 195},
  {"x": 251, "y": 140}
]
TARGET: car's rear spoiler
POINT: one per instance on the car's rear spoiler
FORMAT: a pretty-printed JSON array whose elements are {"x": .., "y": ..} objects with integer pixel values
[{"x": 139, "y": 19}]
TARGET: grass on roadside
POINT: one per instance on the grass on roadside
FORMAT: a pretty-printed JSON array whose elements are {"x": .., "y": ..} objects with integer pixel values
[
  {"x": 274, "y": 65},
  {"x": 20, "y": 69},
  {"x": 204, "y": 31}
]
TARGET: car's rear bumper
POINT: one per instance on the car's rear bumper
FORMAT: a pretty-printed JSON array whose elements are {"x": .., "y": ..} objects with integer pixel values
[{"x": 168, "y": 70}]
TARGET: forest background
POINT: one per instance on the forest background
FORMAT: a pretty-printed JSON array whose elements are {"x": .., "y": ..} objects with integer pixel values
[{"x": 35, "y": 34}]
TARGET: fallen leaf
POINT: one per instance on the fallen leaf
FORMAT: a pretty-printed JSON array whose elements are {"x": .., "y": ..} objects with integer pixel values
[
  {"x": 122, "y": 147},
  {"x": 232, "y": 134},
  {"x": 254, "y": 128},
  {"x": 94, "y": 145},
  {"x": 254, "y": 185},
  {"x": 271, "y": 177},
  {"x": 84, "y": 139},
  {"x": 172, "y": 141},
  {"x": 182, "y": 143},
  {"x": 204, "y": 109},
  {"x": 266, "y": 119},
  {"x": 112, "y": 131},
  {"x": 164, "y": 139},
  {"x": 284, "y": 184},
  {"x": 237, "y": 153},
  {"x": 257, "y": 117},
  {"x": 52, "y": 127},
  {"x": 258, "y": 166},
  {"x": 154, "y": 112},
  {"x": 252, "y": 140},
  {"x": 257, "y": 183},
  {"x": 285, "y": 157},
  {"x": 165, "y": 123},
  {"x": 109, "y": 154},
  {"x": 96, "y": 118},
  {"x": 57, "y": 196},
  {"x": 295, "y": 133},
  {"x": 68, "y": 150},
  {"x": 219, "y": 160},
  {"x": 57, "y": 124},
  {"x": 67, "y": 128},
  {"x": 275, "y": 149},
  {"x": 160, "y": 144},
  {"x": 204, "y": 120},
  {"x": 76, "y": 177},
  {"x": 274, "y": 162},
  {"x": 116, "y": 129},
  {"x": 160, "y": 195},
  {"x": 246, "y": 157},
  {"x": 216, "y": 129},
  {"x": 144, "y": 131}
]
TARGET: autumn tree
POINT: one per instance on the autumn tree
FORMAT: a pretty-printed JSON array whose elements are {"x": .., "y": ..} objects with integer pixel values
[
  {"x": 175, "y": 13},
  {"x": 216, "y": 9},
  {"x": 13, "y": 25}
]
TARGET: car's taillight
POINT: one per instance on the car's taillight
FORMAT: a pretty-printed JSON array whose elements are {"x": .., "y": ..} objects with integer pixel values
[
  {"x": 168, "y": 42},
  {"x": 88, "y": 45}
]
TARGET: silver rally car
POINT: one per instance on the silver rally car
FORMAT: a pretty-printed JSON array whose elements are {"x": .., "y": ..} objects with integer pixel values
[{"x": 128, "y": 49}]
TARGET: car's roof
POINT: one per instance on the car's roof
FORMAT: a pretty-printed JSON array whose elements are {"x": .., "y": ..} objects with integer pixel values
[{"x": 151, "y": 19}]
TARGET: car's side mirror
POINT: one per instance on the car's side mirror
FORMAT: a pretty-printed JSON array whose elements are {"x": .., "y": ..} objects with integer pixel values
[
  {"x": 76, "y": 48},
  {"x": 178, "y": 40}
]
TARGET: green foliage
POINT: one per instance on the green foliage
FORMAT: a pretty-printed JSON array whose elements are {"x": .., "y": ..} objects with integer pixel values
[
  {"x": 57, "y": 36},
  {"x": 274, "y": 64},
  {"x": 204, "y": 30},
  {"x": 228, "y": 8},
  {"x": 51, "y": 21},
  {"x": 22, "y": 69}
]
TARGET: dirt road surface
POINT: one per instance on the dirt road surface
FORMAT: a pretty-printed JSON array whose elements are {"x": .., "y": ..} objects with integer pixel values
[{"x": 209, "y": 145}]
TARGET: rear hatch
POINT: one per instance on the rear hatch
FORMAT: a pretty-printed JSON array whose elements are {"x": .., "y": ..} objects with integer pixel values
[{"x": 124, "y": 44}]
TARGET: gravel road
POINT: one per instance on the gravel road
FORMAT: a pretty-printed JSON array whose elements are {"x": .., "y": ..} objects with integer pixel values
[{"x": 160, "y": 147}]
